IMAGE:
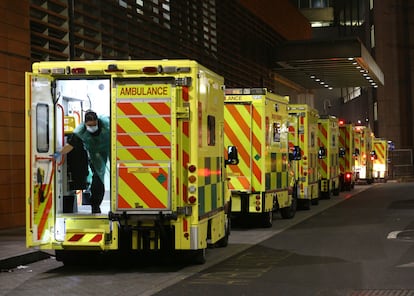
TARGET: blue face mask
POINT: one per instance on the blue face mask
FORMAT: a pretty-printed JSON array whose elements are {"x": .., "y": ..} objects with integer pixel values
[{"x": 92, "y": 128}]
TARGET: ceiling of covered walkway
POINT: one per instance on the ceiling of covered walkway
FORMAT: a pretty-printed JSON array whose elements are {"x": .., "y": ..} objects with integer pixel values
[{"x": 316, "y": 64}]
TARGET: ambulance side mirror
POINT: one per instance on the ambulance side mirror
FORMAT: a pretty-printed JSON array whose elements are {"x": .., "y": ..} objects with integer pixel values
[
  {"x": 341, "y": 152},
  {"x": 356, "y": 152},
  {"x": 232, "y": 156},
  {"x": 295, "y": 153},
  {"x": 322, "y": 152}
]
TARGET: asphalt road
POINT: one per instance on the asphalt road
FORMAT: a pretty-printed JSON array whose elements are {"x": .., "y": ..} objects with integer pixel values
[
  {"x": 362, "y": 246},
  {"x": 355, "y": 244}
]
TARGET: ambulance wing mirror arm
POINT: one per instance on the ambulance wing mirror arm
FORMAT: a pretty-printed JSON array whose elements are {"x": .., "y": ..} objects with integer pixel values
[
  {"x": 356, "y": 152},
  {"x": 342, "y": 152},
  {"x": 232, "y": 156},
  {"x": 322, "y": 152},
  {"x": 295, "y": 153}
]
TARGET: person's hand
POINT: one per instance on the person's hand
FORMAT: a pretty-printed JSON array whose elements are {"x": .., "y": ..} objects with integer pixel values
[{"x": 56, "y": 155}]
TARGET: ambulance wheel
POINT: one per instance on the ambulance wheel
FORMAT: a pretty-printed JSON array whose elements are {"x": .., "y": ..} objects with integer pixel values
[
  {"x": 225, "y": 240},
  {"x": 199, "y": 256},
  {"x": 304, "y": 204},
  {"x": 289, "y": 212},
  {"x": 267, "y": 219},
  {"x": 315, "y": 201}
]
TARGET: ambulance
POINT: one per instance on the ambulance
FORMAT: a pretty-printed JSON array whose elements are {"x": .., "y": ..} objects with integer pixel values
[
  {"x": 165, "y": 185},
  {"x": 328, "y": 157},
  {"x": 262, "y": 182},
  {"x": 363, "y": 154},
  {"x": 303, "y": 137},
  {"x": 380, "y": 159},
  {"x": 346, "y": 155}
]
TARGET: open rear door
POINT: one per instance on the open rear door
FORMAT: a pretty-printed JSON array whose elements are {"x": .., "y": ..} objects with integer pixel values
[{"x": 40, "y": 166}]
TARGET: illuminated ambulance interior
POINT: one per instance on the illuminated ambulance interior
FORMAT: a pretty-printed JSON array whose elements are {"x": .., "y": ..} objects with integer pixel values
[{"x": 73, "y": 98}]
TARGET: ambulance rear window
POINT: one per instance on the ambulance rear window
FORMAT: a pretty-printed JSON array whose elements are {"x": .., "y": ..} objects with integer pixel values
[
  {"x": 211, "y": 130},
  {"x": 42, "y": 128}
]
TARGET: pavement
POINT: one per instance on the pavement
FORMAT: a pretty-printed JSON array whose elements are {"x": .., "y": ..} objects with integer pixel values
[{"x": 13, "y": 251}]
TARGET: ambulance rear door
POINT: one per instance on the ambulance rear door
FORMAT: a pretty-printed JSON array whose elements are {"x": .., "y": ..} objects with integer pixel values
[
  {"x": 40, "y": 164},
  {"x": 238, "y": 132}
]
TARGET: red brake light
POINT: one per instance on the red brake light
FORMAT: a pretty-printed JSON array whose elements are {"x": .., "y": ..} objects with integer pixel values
[
  {"x": 150, "y": 70},
  {"x": 185, "y": 93},
  {"x": 78, "y": 71},
  {"x": 192, "y": 168}
]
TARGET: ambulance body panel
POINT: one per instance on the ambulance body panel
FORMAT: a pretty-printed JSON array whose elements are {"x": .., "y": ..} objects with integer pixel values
[
  {"x": 166, "y": 187},
  {"x": 262, "y": 182},
  {"x": 380, "y": 166},
  {"x": 303, "y": 133},
  {"x": 363, "y": 141},
  {"x": 346, "y": 156}
]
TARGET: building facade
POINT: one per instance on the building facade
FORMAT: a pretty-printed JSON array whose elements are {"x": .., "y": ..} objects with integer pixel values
[{"x": 236, "y": 39}]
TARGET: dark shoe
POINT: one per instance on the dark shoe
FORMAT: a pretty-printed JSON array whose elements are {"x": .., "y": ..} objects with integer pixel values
[{"x": 96, "y": 210}]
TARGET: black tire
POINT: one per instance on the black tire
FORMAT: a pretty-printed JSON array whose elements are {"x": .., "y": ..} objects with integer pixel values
[
  {"x": 289, "y": 212},
  {"x": 304, "y": 204},
  {"x": 199, "y": 256},
  {"x": 267, "y": 219},
  {"x": 225, "y": 240},
  {"x": 315, "y": 201}
]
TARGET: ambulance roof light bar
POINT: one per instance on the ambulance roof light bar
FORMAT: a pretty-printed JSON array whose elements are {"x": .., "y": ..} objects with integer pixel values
[{"x": 245, "y": 91}]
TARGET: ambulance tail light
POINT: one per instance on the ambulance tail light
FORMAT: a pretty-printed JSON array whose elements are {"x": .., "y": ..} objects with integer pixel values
[
  {"x": 192, "y": 180},
  {"x": 78, "y": 71},
  {"x": 192, "y": 199},
  {"x": 185, "y": 94},
  {"x": 150, "y": 70},
  {"x": 192, "y": 168}
]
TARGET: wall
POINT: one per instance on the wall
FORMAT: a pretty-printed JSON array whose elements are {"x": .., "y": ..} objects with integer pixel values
[
  {"x": 394, "y": 54},
  {"x": 14, "y": 61},
  {"x": 283, "y": 17}
]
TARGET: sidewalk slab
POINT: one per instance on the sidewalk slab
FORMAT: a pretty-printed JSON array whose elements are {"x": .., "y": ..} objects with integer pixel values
[{"x": 13, "y": 251}]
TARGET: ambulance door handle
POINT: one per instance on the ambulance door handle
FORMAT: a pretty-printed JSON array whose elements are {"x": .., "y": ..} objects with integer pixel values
[{"x": 62, "y": 132}]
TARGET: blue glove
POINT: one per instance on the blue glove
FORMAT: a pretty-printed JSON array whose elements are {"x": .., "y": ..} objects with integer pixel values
[{"x": 56, "y": 155}]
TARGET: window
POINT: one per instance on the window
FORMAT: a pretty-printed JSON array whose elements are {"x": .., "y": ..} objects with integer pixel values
[
  {"x": 42, "y": 128},
  {"x": 211, "y": 130},
  {"x": 276, "y": 132}
]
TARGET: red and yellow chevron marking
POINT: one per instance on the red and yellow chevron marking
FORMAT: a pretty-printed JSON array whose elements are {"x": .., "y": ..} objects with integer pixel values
[
  {"x": 240, "y": 122},
  {"x": 380, "y": 150},
  {"x": 85, "y": 237},
  {"x": 184, "y": 147},
  {"x": 142, "y": 187},
  {"x": 90, "y": 238},
  {"x": 380, "y": 164},
  {"x": 323, "y": 142},
  {"x": 42, "y": 211},
  {"x": 41, "y": 218},
  {"x": 143, "y": 154},
  {"x": 136, "y": 131},
  {"x": 292, "y": 136},
  {"x": 345, "y": 142}
]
